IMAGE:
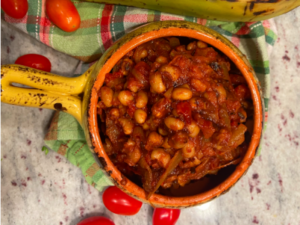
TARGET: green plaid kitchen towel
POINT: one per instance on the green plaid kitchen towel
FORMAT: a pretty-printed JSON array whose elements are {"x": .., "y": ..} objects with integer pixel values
[{"x": 101, "y": 25}]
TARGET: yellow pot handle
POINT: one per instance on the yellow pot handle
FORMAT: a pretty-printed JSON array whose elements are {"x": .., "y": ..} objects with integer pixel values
[{"x": 48, "y": 90}]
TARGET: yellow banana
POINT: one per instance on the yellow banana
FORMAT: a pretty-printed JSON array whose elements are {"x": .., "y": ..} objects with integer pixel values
[{"x": 223, "y": 10}]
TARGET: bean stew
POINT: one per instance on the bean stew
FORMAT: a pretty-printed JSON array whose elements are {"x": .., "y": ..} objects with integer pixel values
[{"x": 169, "y": 98}]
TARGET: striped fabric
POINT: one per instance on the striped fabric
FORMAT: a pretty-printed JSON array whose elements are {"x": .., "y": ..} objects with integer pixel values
[
  {"x": 66, "y": 137},
  {"x": 101, "y": 25}
]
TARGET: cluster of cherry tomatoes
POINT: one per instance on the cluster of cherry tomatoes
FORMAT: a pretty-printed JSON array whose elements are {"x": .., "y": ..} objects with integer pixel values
[
  {"x": 120, "y": 203},
  {"x": 61, "y": 13}
]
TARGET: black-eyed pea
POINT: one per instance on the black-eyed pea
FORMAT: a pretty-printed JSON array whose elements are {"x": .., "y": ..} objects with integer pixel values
[
  {"x": 245, "y": 104},
  {"x": 140, "y": 116},
  {"x": 178, "y": 140},
  {"x": 174, "y": 42},
  {"x": 166, "y": 143},
  {"x": 138, "y": 133},
  {"x": 242, "y": 114},
  {"x": 193, "y": 129},
  {"x": 182, "y": 94},
  {"x": 193, "y": 162},
  {"x": 141, "y": 99},
  {"x": 133, "y": 157},
  {"x": 198, "y": 85},
  {"x": 173, "y": 123},
  {"x": 128, "y": 145},
  {"x": 127, "y": 125},
  {"x": 156, "y": 83},
  {"x": 181, "y": 48},
  {"x": 133, "y": 85},
  {"x": 168, "y": 93},
  {"x": 125, "y": 97},
  {"x": 154, "y": 141},
  {"x": 126, "y": 66},
  {"x": 238, "y": 136},
  {"x": 188, "y": 151},
  {"x": 147, "y": 125},
  {"x": 162, "y": 131},
  {"x": 114, "y": 113},
  {"x": 160, "y": 108},
  {"x": 192, "y": 46},
  {"x": 201, "y": 44},
  {"x": 106, "y": 96},
  {"x": 173, "y": 71},
  {"x": 122, "y": 110},
  {"x": 162, "y": 59},
  {"x": 161, "y": 156},
  {"x": 140, "y": 53},
  {"x": 181, "y": 179}
]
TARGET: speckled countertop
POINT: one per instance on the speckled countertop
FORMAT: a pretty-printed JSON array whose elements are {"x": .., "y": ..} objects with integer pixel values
[{"x": 44, "y": 189}]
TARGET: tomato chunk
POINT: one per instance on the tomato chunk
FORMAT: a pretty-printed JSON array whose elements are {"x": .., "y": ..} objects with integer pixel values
[{"x": 185, "y": 109}]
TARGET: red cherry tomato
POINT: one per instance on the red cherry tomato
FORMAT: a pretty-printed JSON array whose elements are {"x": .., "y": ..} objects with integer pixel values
[
  {"x": 15, "y": 8},
  {"x": 165, "y": 216},
  {"x": 35, "y": 61},
  {"x": 119, "y": 202},
  {"x": 96, "y": 220},
  {"x": 63, "y": 14}
]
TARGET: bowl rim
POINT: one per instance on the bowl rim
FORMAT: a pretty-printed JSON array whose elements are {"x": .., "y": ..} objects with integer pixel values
[{"x": 147, "y": 33}]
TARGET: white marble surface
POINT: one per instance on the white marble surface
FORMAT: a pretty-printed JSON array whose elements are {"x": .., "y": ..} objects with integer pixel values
[{"x": 46, "y": 189}]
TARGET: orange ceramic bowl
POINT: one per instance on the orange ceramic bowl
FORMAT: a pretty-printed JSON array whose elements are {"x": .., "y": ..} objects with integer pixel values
[{"x": 191, "y": 195}]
